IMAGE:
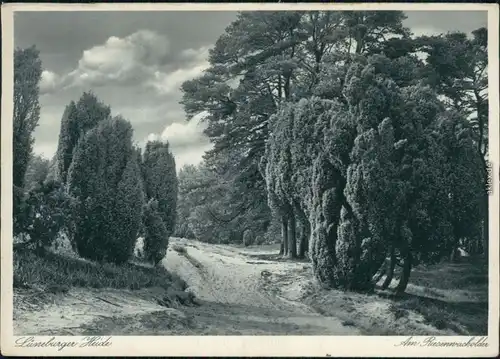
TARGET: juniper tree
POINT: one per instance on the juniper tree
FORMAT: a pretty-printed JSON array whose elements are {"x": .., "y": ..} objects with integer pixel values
[
  {"x": 156, "y": 235},
  {"x": 277, "y": 169},
  {"x": 105, "y": 181},
  {"x": 77, "y": 119},
  {"x": 370, "y": 173},
  {"x": 68, "y": 138},
  {"x": 160, "y": 179},
  {"x": 161, "y": 189}
]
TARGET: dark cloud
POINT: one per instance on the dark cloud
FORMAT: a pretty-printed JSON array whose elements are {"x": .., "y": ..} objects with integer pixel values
[{"x": 136, "y": 62}]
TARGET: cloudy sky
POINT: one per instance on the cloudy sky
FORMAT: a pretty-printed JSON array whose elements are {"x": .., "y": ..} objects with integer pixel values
[{"x": 136, "y": 62}]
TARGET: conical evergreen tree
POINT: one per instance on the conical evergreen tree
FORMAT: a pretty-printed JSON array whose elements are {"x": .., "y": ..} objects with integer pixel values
[
  {"x": 77, "y": 119},
  {"x": 105, "y": 180},
  {"x": 160, "y": 179}
]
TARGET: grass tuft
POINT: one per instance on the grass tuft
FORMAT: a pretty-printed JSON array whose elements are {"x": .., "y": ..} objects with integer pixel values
[
  {"x": 57, "y": 273},
  {"x": 179, "y": 249}
]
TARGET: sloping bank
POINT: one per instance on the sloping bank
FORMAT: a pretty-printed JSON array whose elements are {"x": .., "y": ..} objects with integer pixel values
[{"x": 64, "y": 295}]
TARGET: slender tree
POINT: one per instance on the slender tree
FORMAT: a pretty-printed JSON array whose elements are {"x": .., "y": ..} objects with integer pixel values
[
  {"x": 27, "y": 75},
  {"x": 156, "y": 235},
  {"x": 160, "y": 179}
]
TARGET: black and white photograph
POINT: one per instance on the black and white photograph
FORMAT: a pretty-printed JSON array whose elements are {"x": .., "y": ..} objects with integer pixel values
[{"x": 255, "y": 172}]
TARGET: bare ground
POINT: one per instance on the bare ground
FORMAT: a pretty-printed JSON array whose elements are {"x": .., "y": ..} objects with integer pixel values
[{"x": 239, "y": 291}]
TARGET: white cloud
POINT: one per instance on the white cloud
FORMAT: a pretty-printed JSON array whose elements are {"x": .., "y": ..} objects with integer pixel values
[
  {"x": 197, "y": 55},
  {"x": 137, "y": 60},
  {"x": 120, "y": 60},
  {"x": 195, "y": 62},
  {"x": 186, "y": 133},
  {"x": 166, "y": 83},
  {"x": 187, "y": 140},
  {"x": 191, "y": 156},
  {"x": 49, "y": 82}
]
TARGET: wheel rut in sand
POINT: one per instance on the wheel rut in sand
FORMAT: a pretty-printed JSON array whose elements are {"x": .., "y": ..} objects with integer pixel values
[{"x": 238, "y": 298}]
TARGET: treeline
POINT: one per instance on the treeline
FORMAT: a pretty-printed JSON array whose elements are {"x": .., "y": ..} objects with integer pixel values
[
  {"x": 99, "y": 190},
  {"x": 216, "y": 208},
  {"x": 365, "y": 141}
]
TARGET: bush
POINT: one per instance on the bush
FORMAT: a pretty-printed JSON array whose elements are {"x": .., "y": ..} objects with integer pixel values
[
  {"x": 156, "y": 236},
  {"x": 38, "y": 168},
  {"x": 44, "y": 213},
  {"x": 62, "y": 244},
  {"x": 248, "y": 238}
]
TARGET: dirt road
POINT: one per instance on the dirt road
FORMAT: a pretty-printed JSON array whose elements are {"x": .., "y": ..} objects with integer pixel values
[
  {"x": 238, "y": 294},
  {"x": 242, "y": 294}
]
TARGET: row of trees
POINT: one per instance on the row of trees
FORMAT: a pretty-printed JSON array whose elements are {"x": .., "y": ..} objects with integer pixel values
[
  {"x": 99, "y": 189},
  {"x": 215, "y": 210},
  {"x": 369, "y": 141},
  {"x": 389, "y": 172}
]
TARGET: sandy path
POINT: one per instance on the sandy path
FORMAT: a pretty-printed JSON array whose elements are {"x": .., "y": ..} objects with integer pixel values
[{"x": 235, "y": 299}]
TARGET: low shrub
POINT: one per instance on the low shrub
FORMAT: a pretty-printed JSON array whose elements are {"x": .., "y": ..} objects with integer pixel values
[
  {"x": 248, "y": 238},
  {"x": 179, "y": 249}
]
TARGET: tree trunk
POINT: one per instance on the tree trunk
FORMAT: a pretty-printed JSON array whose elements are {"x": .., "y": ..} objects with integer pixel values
[
  {"x": 292, "y": 239},
  {"x": 453, "y": 254},
  {"x": 304, "y": 240},
  {"x": 284, "y": 235},
  {"x": 381, "y": 274},
  {"x": 405, "y": 276},
  {"x": 390, "y": 270},
  {"x": 382, "y": 270},
  {"x": 304, "y": 226}
]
